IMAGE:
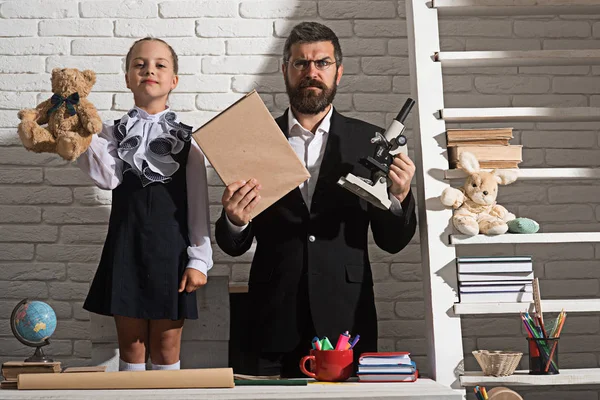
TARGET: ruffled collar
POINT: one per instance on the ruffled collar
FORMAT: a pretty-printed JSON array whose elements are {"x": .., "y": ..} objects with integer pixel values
[{"x": 147, "y": 142}]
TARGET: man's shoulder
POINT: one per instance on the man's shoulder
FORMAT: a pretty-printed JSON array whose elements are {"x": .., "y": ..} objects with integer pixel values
[{"x": 358, "y": 124}]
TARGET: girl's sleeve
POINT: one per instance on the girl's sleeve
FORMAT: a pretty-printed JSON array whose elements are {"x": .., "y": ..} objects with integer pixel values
[
  {"x": 101, "y": 162},
  {"x": 200, "y": 250}
]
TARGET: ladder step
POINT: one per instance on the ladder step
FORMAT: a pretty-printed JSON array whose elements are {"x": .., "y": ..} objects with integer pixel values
[
  {"x": 518, "y": 58},
  {"x": 520, "y": 238},
  {"x": 516, "y": 7},
  {"x": 520, "y": 114},
  {"x": 540, "y": 173}
]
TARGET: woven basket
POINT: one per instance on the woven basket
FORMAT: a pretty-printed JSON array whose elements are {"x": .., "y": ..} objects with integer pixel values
[{"x": 497, "y": 363}]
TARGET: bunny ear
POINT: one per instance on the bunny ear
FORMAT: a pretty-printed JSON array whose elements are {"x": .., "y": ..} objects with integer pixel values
[
  {"x": 505, "y": 176},
  {"x": 469, "y": 162}
]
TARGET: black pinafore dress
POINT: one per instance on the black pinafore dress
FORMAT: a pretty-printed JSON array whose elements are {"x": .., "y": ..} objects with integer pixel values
[{"x": 145, "y": 252}]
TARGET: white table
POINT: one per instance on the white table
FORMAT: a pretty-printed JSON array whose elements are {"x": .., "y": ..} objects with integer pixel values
[{"x": 423, "y": 389}]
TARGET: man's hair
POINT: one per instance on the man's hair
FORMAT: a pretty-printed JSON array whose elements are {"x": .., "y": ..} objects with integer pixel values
[
  {"x": 148, "y": 38},
  {"x": 310, "y": 32}
]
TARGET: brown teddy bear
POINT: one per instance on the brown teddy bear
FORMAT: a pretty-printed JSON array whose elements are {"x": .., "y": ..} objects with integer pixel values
[
  {"x": 475, "y": 203},
  {"x": 71, "y": 118}
]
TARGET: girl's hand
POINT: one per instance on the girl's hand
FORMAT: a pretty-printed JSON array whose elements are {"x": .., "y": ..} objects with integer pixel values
[{"x": 192, "y": 279}]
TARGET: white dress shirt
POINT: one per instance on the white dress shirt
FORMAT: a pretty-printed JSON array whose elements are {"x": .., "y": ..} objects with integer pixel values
[
  {"x": 310, "y": 148},
  {"x": 103, "y": 162}
]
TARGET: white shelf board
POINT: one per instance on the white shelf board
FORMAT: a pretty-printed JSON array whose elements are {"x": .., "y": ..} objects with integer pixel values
[
  {"x": 516, "y": 7},
  {"x": 584, "y": 376},
  {"x": 516, "y": 238},
  {"x": 569, "y": 305},
  {"x": 518, "y": 58},
  {"x": 539, "y": 173},
  {"x": 520, "y": 114}
]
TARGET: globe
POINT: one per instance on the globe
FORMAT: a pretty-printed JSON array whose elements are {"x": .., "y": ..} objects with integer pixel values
[{"x": 32, "y": 323}]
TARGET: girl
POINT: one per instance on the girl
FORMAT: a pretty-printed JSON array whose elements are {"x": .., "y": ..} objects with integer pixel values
[{"x": 157, "y": 251}]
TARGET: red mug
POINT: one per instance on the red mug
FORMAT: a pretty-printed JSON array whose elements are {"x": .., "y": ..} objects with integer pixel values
[{"x": 329, "y": 365}]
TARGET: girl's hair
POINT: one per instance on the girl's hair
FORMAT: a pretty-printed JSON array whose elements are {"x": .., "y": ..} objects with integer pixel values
[{"x": 148, "y": 38}]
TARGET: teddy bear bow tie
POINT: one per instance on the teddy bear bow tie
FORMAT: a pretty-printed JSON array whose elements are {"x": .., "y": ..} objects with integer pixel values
[{"x": 57, "y": 100}]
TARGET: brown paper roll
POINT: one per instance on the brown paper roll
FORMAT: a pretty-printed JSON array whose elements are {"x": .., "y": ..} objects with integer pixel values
[{"x": 180, "y": 379}]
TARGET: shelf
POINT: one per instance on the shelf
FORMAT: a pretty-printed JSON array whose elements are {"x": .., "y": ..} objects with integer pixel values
[
  {"x": 539, "y": 173},
  {"x": 517, "y": 238},
  {"x": 516, "y": 7},
  {"x": 518, "y": 58},
  {"x": 520, "y": 114},
  {"x": 570, "y": 305},
  {"x": 584, "y": 376}
]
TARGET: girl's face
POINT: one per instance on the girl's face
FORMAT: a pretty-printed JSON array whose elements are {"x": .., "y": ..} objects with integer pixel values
[{"x": 150, "y": 75}]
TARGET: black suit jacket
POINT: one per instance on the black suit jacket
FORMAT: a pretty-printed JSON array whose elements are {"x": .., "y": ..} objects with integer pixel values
[{"x": 335, "y": 265}]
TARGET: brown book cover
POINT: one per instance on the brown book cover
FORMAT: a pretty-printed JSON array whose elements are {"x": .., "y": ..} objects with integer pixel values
[
  {"x": 11, "y": 369},
  {"x": 491, "y": 165},
  {"x": 8, "y": 384},
  {"x": 245, "y": 142},
  {"x": 487, "y": 153},
  {"x": 99, "y": 368},
  {"x": 455, "y": 135},
  {"x": 487, "y": 142}
]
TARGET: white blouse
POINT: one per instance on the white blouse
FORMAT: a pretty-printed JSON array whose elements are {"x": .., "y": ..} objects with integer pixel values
[{"x": 146, "y": 146}]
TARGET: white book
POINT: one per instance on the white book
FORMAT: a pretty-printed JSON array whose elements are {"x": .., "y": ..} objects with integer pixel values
[
  {"x": 511, "y": 276},
  {"x": 495, "y": 267},
  {"x": 518, "y": 297},
  {"x": 495, "y": 283},
  {"x": 494, "y": 259},
  {"x": 496, "y": 289}
]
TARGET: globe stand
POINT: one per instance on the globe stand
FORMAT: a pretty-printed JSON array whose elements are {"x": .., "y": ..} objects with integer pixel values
[{"x": 39, "y": 356}]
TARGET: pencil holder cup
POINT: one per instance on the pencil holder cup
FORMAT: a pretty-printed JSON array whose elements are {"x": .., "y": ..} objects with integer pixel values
[
  {"x": 497, "y": 363},
  {"x": 543, "y": 356},
  {"x": 329, "y": 365}
]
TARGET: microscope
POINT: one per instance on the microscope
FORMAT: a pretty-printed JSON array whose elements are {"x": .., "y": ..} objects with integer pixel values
[{"x": 392, "y": 142}]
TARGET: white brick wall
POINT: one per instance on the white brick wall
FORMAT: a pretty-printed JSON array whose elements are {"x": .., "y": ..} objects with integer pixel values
[{"x": 53, "y": 220}]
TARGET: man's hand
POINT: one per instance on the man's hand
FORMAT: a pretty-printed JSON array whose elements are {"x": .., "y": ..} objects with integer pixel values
[
  {"x": 239, "y": 199},
  {"x": 192, "y": 279},
  {"x": 401, "y": 173}
]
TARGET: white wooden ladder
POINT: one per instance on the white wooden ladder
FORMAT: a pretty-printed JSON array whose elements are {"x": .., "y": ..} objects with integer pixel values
[{"x": 429, "y": 118}]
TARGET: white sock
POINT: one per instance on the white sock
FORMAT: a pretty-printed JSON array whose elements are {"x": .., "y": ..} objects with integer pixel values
[
  {"x": 166, "y": 367},
  {"x": 125, "y": 366}
]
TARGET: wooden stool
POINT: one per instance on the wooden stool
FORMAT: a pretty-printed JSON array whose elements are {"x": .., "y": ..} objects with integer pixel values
[{"x": 502, "y": 393}]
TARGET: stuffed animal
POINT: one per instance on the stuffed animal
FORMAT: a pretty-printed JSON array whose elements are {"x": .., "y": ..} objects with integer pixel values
[
  {"x": 475, "y": 203},
  {"x": 71, "y": 118}
]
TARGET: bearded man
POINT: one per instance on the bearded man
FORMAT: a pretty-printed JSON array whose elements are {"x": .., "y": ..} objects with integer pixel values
[{"x": 310, "y": 275}]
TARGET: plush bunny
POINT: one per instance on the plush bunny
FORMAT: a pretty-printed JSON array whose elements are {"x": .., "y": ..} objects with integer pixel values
[{"x": 475, "y": 203}]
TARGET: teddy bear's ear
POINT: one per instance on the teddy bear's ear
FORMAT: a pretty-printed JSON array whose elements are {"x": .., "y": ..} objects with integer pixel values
[
  {"x": 90, "y": 76},
  {"x": 469, "y": 162},
  {"x": 505, "y": 176}
]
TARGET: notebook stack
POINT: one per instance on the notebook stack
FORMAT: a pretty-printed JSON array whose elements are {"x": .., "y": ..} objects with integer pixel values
[
  {"x": 495, "y": 279},
  {"x": 12, "y": 369},
  {"x": 386, "y": 367}
]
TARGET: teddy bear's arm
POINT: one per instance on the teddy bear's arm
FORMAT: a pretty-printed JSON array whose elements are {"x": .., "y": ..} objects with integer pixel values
[
  {"x": 42, "y": 111},
  {"x": 90, "y": 120}
]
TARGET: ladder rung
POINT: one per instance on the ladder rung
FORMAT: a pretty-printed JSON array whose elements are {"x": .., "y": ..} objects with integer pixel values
[
  {"x": 518, "y": 58},
  {"x": 516, "y": 7},
  {"x": 520, "y": 114},
  {"x": 540, "y": 173}
]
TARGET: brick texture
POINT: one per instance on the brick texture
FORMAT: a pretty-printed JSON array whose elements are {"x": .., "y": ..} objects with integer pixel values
[{"x": 53, "y": 220}]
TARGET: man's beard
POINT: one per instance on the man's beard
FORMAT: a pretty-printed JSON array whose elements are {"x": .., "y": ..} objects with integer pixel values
[{"x": 308, "y": 101}]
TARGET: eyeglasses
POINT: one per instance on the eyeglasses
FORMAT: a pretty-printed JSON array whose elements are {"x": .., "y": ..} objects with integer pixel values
[{"x": 302, "y": 65}]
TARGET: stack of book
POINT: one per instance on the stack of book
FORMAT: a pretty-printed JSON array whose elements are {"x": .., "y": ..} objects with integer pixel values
[
  {"x": 386, "y": 367},
  {"x": 12, "y": 369},
  {"x": 495, "y": 279},
  {"x": 490, "y": 146}
]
